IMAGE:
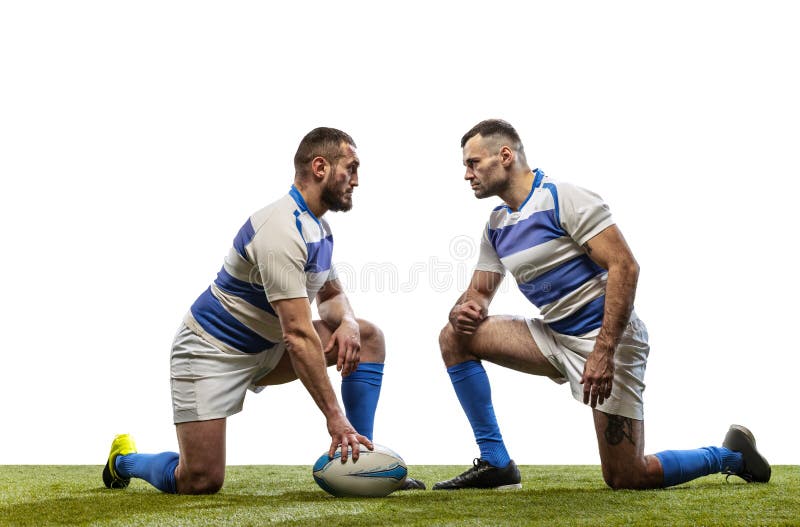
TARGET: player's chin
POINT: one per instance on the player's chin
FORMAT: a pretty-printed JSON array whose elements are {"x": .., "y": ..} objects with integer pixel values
[{"x": 342, "y": 206}]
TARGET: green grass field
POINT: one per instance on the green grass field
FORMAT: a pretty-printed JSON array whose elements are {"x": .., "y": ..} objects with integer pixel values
[{"x": 287, "y": 495}]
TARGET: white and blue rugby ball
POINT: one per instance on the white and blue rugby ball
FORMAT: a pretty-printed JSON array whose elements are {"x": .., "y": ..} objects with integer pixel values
[{"x": 377, "y": 473}]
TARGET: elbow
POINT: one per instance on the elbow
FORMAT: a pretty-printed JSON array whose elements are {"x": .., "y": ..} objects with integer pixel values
[
  {"x": 626, "y": 269},
  {"x": 291, "y": 341},
  {"x": 632, "y": 268},
  {"x": 295, "y": 339}
]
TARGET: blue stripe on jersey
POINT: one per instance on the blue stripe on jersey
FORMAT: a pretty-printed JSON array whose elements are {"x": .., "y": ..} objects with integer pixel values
[
  {"x": 298, "y": 198},
  {"x": 251, "y": 293},
  {"x": 298, "y": 224},
  {"x": 244, "y": 237},
  {"x": 554, "y": 191},
  {"x": 561, "y": 280},
  {"x": 301, "y": 202},
  {"x": 212, "y": 316},
  {"x": 539, "y": 228},
  {"x": 584, "y": 320},
  {"x": 538, "y": 179},
  {"x": 319, "y": 255}
]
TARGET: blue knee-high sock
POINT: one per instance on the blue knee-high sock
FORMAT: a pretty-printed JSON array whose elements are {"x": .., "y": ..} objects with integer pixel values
[
  {"x": 681, "y": 466},
  {"x": 360, "y": 392},
  {"x": 156, "y": 469},
  {"x": 475, "y": 395}
]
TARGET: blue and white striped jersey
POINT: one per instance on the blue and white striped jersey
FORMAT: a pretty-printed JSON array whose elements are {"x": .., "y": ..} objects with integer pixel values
[
  {"x": 282, "y": 251},
  {"x": 541, "y": 245}
]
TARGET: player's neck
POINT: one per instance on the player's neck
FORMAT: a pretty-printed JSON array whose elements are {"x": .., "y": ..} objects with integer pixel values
[
  {"x": 519, "y": 188},
  {"x": 312, "y": 195}
]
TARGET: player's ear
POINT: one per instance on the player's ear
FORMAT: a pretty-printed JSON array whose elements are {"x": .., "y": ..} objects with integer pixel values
[
  {"x": 319, "y": 167},
  {"x": 506, "y": 156}
]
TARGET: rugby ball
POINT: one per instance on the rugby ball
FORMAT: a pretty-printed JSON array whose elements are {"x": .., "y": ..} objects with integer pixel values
[{"x": 377, "y": 473}]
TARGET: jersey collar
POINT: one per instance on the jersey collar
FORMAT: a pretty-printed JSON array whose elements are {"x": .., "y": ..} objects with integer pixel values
[
  {"x": 537, "y": 182},
  {"x": 298, "y": 198}
]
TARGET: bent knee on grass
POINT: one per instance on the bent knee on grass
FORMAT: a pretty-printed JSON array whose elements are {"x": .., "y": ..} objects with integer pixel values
[
  {"x": 199, "y": 481},
  {"x": 635, "y": 473},
  {"x": 628, "y": 481}
]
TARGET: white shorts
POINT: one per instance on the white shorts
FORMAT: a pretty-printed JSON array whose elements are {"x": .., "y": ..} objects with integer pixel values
[
  {"x": 208, "y": 383},
  {"x": 568, "y": 355}
]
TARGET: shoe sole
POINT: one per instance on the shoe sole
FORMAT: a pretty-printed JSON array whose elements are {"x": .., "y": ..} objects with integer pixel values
[
  {"x": 513, "y": 486},
  {"x": 111, "y": 482},
  {"x": 511, "y": 473},
  {"x": 740, "y": 439}
]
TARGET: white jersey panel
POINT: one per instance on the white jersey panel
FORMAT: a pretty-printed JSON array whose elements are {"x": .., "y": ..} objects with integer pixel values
[
  {"x": 283, "y": 251},
  {"x": 541, "y": 245}
]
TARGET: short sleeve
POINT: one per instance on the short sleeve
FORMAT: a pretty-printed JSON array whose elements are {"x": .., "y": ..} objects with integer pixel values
[
  {"x": 280, "y": 257},
  {"x": 487, "y": 258},
  {"x": 583, "y": 213}
]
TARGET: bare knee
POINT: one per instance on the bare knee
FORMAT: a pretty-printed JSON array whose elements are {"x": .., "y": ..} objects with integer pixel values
[
  {"x": 373, "y": 343},
  {"x": 199, "y": 481},
  {"x": 447, "y": 341},
  {"x": 634, "y": 478},
  {"x": 451, "y": 346},
  {"x": 618, "y": 481}
]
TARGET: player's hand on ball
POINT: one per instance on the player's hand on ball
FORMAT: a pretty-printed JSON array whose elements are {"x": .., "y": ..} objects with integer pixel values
[{"x": 345, "y": 437}]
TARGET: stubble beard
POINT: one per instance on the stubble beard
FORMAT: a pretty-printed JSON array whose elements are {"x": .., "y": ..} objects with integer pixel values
[
  {"x": 493, "y": 189},
  {"x": 489, "y": 188}
]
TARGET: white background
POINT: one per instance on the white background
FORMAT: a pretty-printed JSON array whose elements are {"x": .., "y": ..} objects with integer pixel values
[{"x": 136, "y": 138}]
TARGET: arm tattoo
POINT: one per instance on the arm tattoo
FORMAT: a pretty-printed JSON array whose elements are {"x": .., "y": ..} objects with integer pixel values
[{"x": 619, "y": 428}]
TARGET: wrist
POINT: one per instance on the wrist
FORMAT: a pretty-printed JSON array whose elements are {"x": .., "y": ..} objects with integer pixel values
[
  {"x": 604, "y": 347},
  {"x": 333, "y": 413}
]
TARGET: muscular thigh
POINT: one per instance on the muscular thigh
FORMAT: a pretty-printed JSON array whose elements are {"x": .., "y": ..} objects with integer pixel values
[
  {"x": 507, "y": 341},
  {"x": 284, "y": 370}
]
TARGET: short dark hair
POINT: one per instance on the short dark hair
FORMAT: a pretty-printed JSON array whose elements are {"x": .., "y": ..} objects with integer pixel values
[
  {"x": 324, "y": 142},
  {"x": 491, "y": 127}
]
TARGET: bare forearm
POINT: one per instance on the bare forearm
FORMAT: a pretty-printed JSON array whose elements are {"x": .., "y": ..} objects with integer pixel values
[
  {"x": 481, "y": 289},
  {"x": 471, "y": 294},
  {"x": 308, "y": 361},
  {"x": 335, "y": 309},
  {"x": 620, "y": 294},
  {"x": 471, "y": 304},
  {"x": 472, "y": 307}
]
